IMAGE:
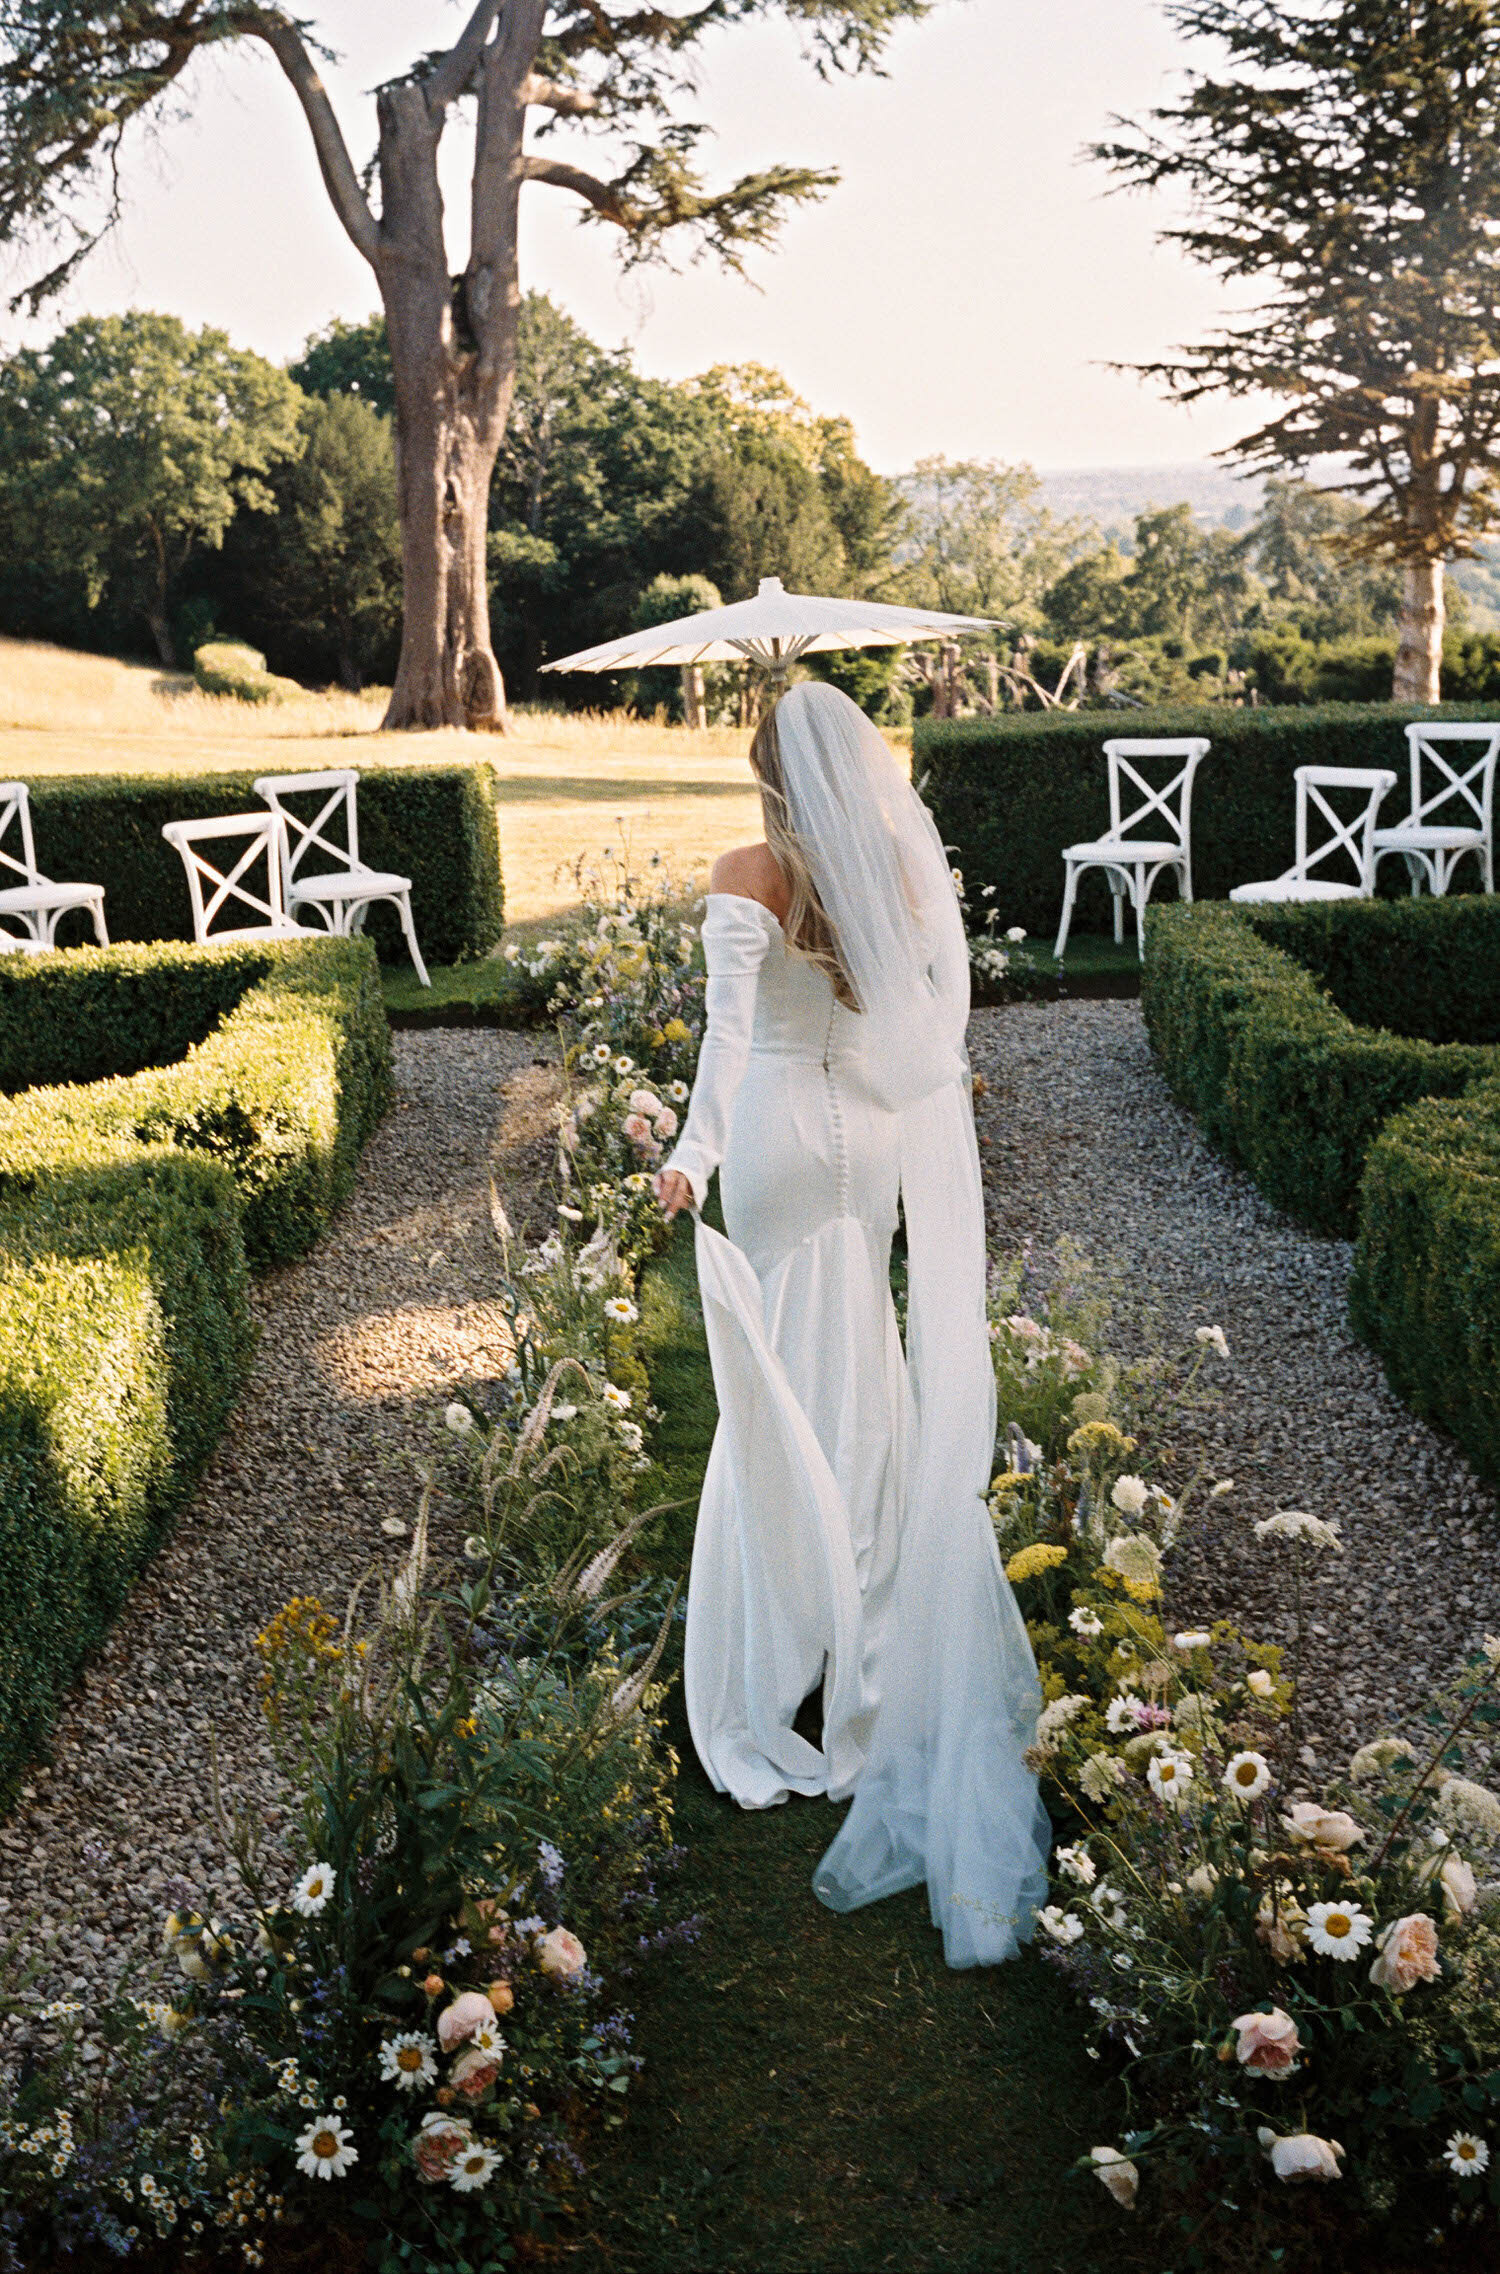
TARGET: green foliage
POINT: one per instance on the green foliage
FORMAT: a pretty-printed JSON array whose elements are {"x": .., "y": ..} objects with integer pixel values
[
  {"x": 1425, "y": 1290},
  {"x": 228, "y": 667},
  {"x": 127, "y": 444},
  {"x": 352, "y": 360},
  {"x": 130, "y": 1209},
  {"x": 1281, "y": 1078},
  {"x": 318, "y": 574},
  {"x": 435, "y": 824},
  {"x": 1388, "y": 1131},
  {"x": 1008, "y": 794}
]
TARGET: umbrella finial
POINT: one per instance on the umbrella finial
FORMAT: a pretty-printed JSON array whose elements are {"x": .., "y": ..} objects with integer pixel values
[{"x": 769, "y": 584}]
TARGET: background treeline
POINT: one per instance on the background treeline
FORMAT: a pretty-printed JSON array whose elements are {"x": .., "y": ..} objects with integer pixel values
[{"x": 159, "y": 486}]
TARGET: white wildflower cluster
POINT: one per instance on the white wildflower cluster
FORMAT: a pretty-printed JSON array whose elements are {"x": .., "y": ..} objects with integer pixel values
[
  {"x": 51, "y": 2142},
  {"x": 1034, "y": 1344}
]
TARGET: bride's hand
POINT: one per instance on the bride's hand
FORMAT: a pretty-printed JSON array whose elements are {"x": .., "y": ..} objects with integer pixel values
[{"x": 673, "y": 1190}]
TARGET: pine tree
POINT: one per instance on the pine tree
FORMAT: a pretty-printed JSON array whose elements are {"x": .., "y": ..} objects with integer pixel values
[{"x": 1345, "y": 155}]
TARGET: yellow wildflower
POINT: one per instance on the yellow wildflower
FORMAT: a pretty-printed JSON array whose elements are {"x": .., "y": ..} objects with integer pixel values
[{"x": 1042, "y": 1555}]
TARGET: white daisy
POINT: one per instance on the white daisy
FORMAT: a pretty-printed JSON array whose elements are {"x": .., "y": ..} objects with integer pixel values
[
  {"x": 1085, "y": 1622},
  {"x": 600, "y": 1053},
  {"x": 409, "y": 2061},
  {"x": 1078, "y": 1864},
  {"x": 1119, "y": 1715},
  {"x": 487, "y": 2039},
  {"x": 624, "y": 1065},
  {"x": 678, "y": 1092},
  {"x": 618, "y": 1398},
  {"x": 326, "y": 2149},
  {"x": 1169, "y": 1776},
  {"x": 1063, "y": 1926},
  {"x": 474, "y": 2168},
  {"x": 1247, "y": 1776},
  {"x": 313, "y": 1890},
  {"x": 1214, "y": 1338},
  {"x": 1338, "y": 1930},
  {"x": 621, "y": 1307},
  {"x": 1467, "y": 2155}
]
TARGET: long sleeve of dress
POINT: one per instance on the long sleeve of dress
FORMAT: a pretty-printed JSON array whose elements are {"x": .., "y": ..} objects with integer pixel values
[{"x": 737, "y": 934}]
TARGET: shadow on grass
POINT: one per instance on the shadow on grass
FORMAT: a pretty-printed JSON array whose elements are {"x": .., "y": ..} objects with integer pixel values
[{"x": 821, "y": 2095}]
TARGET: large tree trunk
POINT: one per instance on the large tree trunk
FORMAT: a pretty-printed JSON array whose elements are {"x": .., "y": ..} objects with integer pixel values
[
  {"x": 1419, "y": 650},
  {"x": 452, "y": 402}
]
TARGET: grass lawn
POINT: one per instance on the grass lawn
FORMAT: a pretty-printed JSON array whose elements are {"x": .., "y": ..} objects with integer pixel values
[{"x": 821, "y": 2094}]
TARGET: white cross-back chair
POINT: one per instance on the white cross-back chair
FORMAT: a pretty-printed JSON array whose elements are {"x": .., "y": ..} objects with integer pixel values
[
  {"x": 1351, "y": 840},
  {"x": 36, "y": 901},
  {"x": 1454, "y": 816},
  {"x": 233, "y": 888},
  {"x": 341, "y": 896},
  {"x": 1132, "y": 864}
]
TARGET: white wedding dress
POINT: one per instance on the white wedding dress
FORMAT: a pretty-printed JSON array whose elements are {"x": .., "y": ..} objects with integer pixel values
[{"x": 842, "y": 1540}]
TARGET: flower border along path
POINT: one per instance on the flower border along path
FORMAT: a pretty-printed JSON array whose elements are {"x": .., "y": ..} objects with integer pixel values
[{"x": 821, "y": 2095}]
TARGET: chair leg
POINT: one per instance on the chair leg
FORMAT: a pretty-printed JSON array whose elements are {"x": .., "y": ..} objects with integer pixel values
[
  {"x": 96, "y": 910},
  {"x": 1139, "y": 897},
  {"x": 403, "y": 907},
  {"x": 1119, "y": 900},
  {"x": 1070, "y": 894}
]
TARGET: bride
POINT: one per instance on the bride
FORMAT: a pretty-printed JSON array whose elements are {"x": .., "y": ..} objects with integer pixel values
[{"x": 843, "y": 1544}]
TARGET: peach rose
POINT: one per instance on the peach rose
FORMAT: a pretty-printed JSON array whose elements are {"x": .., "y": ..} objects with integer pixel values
[
  {"x": 491, "y": 1923},
  {"x": 1118, "y": 2174},
  {"x": 1460, "y": 1888},
  {"x": 1268, "y": 2042},
  {"x": 469, "y": 2011},
  {"x": 501, "y": 1996},
  {"x": 434, "y": 1985},
  {"x": 666, "y": 1122},
  {"x": 1407, "y": 1954},
  {"x": 439, "y": 2144},
  {"x": 560, "y": 1955},
  {"x": 1328, "y": 1830},
  {"x": 474, "y": 2072},
  {"x": 1301, "y": 2155},
  {"x": 1277, "y": 1922}
]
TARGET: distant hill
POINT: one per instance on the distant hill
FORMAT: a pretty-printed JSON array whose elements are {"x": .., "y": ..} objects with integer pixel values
[{"x": 1112, "y": 496}]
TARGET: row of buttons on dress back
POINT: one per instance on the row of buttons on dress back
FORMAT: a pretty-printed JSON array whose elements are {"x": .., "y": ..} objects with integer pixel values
[{"x": 836, "y": 1114}]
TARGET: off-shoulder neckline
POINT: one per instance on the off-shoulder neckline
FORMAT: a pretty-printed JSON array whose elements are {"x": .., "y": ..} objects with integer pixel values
[{"x": 744, "y": 900}]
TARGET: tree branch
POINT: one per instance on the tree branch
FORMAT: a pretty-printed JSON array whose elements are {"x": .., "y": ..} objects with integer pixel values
[
  {"x": 452, "y": 76},
  {"x": 340, "y": 180},
  {"x": 602, "y": 196},
  {"x": 551, "y": 95}
]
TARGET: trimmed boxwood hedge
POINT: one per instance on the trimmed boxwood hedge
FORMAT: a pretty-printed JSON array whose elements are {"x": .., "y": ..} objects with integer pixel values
[
  {"x": 131, "y": 1210},
  {"x": 435, "y": 824},
  {"x": 1007, "y": 794},
  {"x": 1265, "y": 1023}
]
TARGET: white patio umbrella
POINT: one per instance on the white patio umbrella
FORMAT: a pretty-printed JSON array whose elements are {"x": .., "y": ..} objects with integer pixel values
[{"x": 772, "y": 630}]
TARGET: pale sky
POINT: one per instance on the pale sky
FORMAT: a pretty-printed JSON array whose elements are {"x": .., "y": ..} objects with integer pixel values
[{"x": 959, "y": 292}]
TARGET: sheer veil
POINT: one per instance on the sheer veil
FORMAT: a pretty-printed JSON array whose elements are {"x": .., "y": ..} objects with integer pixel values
[{"x": 944, "y": 1795}]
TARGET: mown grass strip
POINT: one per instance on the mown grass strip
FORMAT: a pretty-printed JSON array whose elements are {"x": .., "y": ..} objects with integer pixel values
[{"x": 821, "y": 2095}]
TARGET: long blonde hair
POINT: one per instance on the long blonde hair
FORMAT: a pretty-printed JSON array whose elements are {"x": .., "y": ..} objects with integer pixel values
[{"x": 807, "y": 926}]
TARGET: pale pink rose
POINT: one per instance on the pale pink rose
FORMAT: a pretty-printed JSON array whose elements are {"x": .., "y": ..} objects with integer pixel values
[
  {"x": 468, "y": 2012},
  {"x": 1301, "y": 2155},
  {"x": 666, "y": 1122},
  {"x": 474, "y": 2072},
  {"x": 1118, "y": 2174},
  {"x": 1268, "y": 2043},
  {"x": 637, "y": 1128},
  {"x": 1076, "y": 1359},
  {"x": 645, "y": 1101},
  {"x": 561, "y": 1955},
  {"x": 439, "y": 2144},
  {"x": 1024, "y": 1328},
  {"x": 1328, "y": 1830},
  {"x": 1408, "y": 1954},
  {"x": 1460, "y": 1888}
]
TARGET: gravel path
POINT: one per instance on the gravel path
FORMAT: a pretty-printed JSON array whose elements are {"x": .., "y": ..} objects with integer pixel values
[
  {"x": 1081, "y": 1137},
  {"x": 359, "y": 1343}
]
